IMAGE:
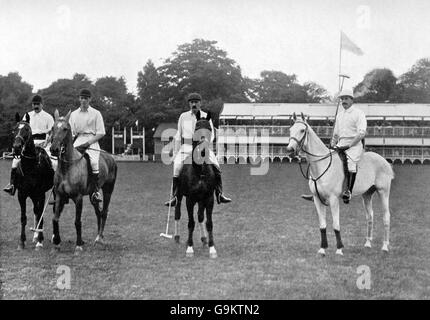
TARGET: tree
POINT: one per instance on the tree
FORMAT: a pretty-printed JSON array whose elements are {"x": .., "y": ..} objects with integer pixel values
[
  {"x": 277, "y": 87},
  {"x": 15, "y": 96},
  {"x": 315, "y": 93},
  {"x": 378, "y": 85},
  {"x": 202, "y": 67},
  {"x": 63, "y": 94},
  {"x": 415, "y": 84}
]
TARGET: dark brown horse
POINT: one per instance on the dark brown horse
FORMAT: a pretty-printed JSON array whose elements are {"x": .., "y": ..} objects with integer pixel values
[
  {"x": 197, "y": 184},
  {"x": 71, "y": 180},
  {"x": 34, "y": 176}
]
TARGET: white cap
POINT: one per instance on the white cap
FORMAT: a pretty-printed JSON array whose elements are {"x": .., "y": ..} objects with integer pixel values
[{"x": 346, "y": 92}]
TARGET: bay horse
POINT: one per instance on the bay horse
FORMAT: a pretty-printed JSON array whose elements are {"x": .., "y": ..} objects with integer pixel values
[
  {"x": 197, "y": 184},
  {"x": 71, "y": 181},
  {"x": 326, "y": 177},
  {"x": 34, "y": 176}
]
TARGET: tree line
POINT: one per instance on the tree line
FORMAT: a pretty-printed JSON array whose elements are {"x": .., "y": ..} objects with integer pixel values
[{"x": 199, "y": 66}]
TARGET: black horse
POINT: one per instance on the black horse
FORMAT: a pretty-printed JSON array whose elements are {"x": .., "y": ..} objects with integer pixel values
[
  {"x": 197, "y": 184},
  {"x": 34, "y": 176}
]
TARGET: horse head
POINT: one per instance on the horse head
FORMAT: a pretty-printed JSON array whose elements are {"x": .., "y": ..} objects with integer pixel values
[
  {"x": 61, "y": 132},
  {"x": 298, "y": 134},
  {"x": 23, "y": 134},
  {"x": 201, "y": 137}
]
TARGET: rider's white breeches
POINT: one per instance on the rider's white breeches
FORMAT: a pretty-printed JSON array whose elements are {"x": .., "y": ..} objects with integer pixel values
[
  {"x": 353, "y": 154},
  {"x": 94, "y": 155},
  {"x": 185, "y": 151}
]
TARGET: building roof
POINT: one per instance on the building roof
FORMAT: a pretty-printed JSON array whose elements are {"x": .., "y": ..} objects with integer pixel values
[
  {"x": 163, "y": 126},
  {"x": 279, "y": 110}
]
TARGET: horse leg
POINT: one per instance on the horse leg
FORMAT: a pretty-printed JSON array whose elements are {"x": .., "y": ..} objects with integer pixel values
[
  {"x": 367, "y": 202},
  {"x": 321, "y": 210},
  {"x": 103, "y": 214},
  {"x": 177, "y": 217},
  {"x": 334, "y": 207},
  {"x": 384, "y": 195},
  {"x": 209, "y": 226},
  {"x": 201, "y": 217},
  {"x": 78, "y": 223},
  {"x": 191, "y": 225},
  {"x": 23, "y": 205},
  {"x": 58, "y": 208}
]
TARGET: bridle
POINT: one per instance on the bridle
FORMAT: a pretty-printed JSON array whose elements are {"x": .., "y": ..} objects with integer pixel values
[
  {"x": 63, "y": 150},
  {"x": 300, "y": 147},
  {"x": 24, "y": 142}
]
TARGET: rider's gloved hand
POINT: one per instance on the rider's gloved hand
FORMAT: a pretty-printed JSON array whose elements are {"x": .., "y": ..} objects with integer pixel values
[{"x": 81, "y": 148}]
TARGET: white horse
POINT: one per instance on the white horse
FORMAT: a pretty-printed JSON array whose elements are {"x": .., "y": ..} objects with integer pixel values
[{"x": 326, "y": 177}]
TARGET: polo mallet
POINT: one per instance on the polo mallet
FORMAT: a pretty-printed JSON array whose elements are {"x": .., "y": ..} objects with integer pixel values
[
  {"x": 166, "y": 234},
  {"x": 41, "y": 216}
]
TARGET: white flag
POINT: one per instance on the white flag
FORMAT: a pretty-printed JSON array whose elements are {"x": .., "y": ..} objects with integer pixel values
[{"x": 347, "y": 44}]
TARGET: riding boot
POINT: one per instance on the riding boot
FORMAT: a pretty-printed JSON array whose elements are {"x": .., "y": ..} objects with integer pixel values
[
  {"x": 172, "y": 202},
  {"x": 346, "y": 196},
  {"x": 10, "y": 188},
  {"x": 220, "y": 198},
  {"x": 95, "y": 196},
  {"x": 351, "y": 183}
]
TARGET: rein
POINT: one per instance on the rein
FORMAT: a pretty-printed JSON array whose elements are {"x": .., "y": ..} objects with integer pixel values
[{"x": 307, "y": 176}]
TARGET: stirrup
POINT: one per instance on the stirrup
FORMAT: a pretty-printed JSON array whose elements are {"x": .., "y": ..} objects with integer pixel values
[
  {"x": 172, "y": 202},
  {"x": 220, "y": 198},
  {"x": 308, "y": 197},
  {"x": 10, "y": 189}
]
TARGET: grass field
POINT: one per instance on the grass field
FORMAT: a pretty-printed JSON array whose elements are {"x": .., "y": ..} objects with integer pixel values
[{"x": 267, "y": 242}]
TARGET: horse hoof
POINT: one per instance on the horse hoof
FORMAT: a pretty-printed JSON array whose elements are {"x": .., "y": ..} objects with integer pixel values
[
  {"x": 339, "y": 252},
  {"x": 190, "y": 252},
  {"x": 212, "y": 253},
  {"x": 39, "y": 246},
  {"x": 204, "y": 241},
  {"x": 99, "y": 240},
  {"x": 177, "y": 239},
  {"x": 321, "y": 251},
  {"x": 21, "y": 246},
  {"x": 35, "y": 237},
  {"x": 385, "y": 247},
  {"x": 368, "y": 244},
  {"x": 78, "y": 250}
]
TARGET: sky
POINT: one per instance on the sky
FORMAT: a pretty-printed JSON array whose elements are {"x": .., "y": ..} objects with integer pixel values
[{"x": 51, "y": 39}]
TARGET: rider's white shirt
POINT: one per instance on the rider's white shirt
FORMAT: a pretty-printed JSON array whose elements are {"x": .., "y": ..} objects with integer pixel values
[
  {"x": 41, "y": 122},
  {"x": 349, "y": 123},
  {"x": 186, "y": 125},
  {"x": 89, "y": 122}
]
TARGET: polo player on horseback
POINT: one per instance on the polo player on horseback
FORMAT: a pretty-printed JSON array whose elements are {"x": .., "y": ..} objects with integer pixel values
[
  {"x": 349, "y": 131},
  {"x": 41, "y": 123},
  {"x": 87, "y": 129},
  {"x": 183, "y": 142}
]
